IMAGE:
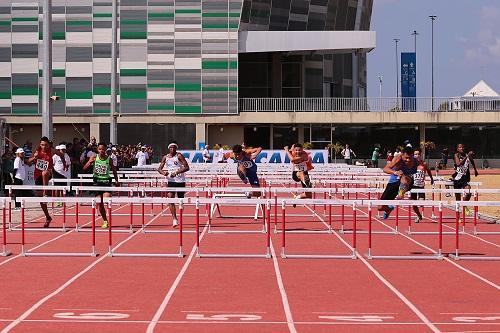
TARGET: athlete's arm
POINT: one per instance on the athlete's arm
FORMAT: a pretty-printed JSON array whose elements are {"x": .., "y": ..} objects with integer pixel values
[
  {"x": 294, "y": 159},
  {"x": 89, "y": 163},
  {"x": 162, "y": 164},
  {"x": 33, "y": 157},
  {"x": 473, "y": 165},
  {"x": 184, "y": 163},
  {"x": 393, "y": 164},
  {"x": 253, "y": 152},
  {"x": 428, "y": 172},
  {"x": 457, "y": 160},
  {"x": 115, "y": 174}
]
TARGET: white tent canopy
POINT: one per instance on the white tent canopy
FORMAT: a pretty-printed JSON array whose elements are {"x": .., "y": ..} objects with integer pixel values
[{"x": 481, "y": 89}]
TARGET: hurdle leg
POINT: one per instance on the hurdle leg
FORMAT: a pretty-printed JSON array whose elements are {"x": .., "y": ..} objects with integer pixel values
[
  {"x": 283, "y": 254},
  {"x": 10, "y": 214},
  {"x": 409, "y": 218},
  {"x": 181, "y": 220},
  {"x": 275, "y": 211},
  {"x": 354, "y": 228},
  {"x": 110, "y": 227},
  {"x": 5, "y": 252},
  {"x": 457, "y": 225},
  {"x": 197, "y": 208},
  {"x": 77, "y": 209},
  {"x": 94, "y": 253},
  {"x": 440, "y": 231},
  {"x": 369, "y": 230},
  {"x": 476, "y": 208},
  {"x": 268, "y": 210}
]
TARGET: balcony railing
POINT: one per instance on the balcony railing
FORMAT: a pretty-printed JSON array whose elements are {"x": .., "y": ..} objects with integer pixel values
[{"x": 389, "y": 104}]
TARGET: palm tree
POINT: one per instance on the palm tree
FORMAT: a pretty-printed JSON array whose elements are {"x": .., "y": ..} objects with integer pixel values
[{"x": 335, "y": 148}]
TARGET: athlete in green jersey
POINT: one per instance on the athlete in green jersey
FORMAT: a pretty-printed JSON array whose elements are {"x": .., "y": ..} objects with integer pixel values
[{"x": 102, "y": 170}]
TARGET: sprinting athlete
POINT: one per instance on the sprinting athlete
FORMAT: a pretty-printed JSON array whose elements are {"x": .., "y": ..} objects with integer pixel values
[
  {"x": 176, "y": 167},
  {"x": 461, "y": 177},
  {"x": 103, "y": 165},
  {"x": 247, "y": 168},
  {"x": 419, "y": 182},
  {"x": 300, "y": 168},
  {"x": 44, "y": 165},
  {"x": 401, "y": 169}
]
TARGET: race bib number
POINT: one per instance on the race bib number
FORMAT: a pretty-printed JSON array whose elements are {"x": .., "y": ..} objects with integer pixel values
[
  {"x": 42, "y": 165},
  {"x": 299, "y": 167},
  {"x": 100, "y": 169},
  {"x": 247, "y": 164}
]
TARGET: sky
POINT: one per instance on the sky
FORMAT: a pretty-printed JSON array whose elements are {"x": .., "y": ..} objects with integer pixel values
[{"x": 466, "y": 44}]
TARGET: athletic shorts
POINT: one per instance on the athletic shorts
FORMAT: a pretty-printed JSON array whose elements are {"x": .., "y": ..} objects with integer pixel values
[
  {"x": 100, "y": 183},
  {"x": 391, "y": 191},
  {"x": 253, "y": 179},
  {"x": 39, "y": 180},
  {"x": 417, "y": 196},
  {"x": 57, "y": 175},
  {"x": 307, "y": 180},
  {"x": 174, "y": 184},
  {"x": 461, "y": 183}
]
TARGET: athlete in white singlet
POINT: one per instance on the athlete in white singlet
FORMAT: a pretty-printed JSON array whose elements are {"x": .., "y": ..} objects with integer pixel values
[
  {"x": 419, "y": 182},
  {"x": 173, "y": 166}
]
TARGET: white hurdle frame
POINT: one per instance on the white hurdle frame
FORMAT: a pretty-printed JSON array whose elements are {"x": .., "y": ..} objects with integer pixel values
[{"x": 5, "y": 251}]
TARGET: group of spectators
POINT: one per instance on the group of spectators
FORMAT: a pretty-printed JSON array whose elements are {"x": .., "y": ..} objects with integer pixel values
[{"x": 70, "y": 157}]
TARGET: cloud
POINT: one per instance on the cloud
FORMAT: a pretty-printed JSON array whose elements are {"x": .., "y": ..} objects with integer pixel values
[{"x": 485, "y": 47}]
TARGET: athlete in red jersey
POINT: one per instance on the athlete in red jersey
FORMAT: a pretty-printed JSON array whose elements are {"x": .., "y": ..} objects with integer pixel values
[{"x": 42, "y": 158}]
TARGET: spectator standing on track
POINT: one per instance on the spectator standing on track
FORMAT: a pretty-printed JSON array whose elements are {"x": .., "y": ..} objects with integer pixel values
[
  {"x": 375, "y": 156},
  {"x": 206, "y": 154},
  {"x": 221, "y": 158},
  {"x": 19, "y": 174},
  {"x": 444, "y": 159},
  {"x": 142, "y": 157},
  {"x": 348, "y": 154},
  {"x": 461, "y": 177},
  {"x": 177, "y": 166},
  {"x": 44, "y": 166}
]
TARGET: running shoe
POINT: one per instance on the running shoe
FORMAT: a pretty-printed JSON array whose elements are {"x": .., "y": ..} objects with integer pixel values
[
  {"x": 248, "y": 195},
  {"x": 468, "y": 211},
  {"x": 59, "y": 204},
  {"x": 175, "y": 223},
  {"x": 417, "y": 219},
  {"x": 295, "y": 197},
  {"x": 386, "y": 214},
  {"x": 104, "y": 224},
  {"x": 47, "y": 222}
]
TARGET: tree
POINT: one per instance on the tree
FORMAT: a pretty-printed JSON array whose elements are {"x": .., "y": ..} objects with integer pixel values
[
  {"x": 428, "y": 146},
  {"x": 307, "y": 145},
  {"x": 335, "y": 148}
]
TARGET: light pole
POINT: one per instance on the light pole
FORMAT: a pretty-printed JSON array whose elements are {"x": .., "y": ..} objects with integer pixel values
[
  {"x": 47, "y": 127},
  {"x": 433, "y": 18},
  {"x": 380, "y": 77},
  {"x": 396, "y": 41},
  {"x": 415, "y": 34},
  {"x": 113, "y": 133}
]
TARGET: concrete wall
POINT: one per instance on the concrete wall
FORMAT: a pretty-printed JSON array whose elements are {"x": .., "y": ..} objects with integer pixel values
[
  {"x": 230, "y": 136},
  {"x": 62, "y": 132}
]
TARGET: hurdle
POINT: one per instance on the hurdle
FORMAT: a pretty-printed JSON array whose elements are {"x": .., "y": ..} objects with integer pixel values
[
  {"x": 286, "y": 255},
  {"x": 5, "y": 252},
  {"x": 180, "y": 202},
  {"x": 397, "y": 203},
  {"x": 227, "y": 201},
  {"x": 457, "y": 255},
  {"x": 28, "y": 253}
]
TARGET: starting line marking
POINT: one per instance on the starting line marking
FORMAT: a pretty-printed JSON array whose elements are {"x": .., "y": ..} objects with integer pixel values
[
  {"x": 242, "y": 317},
  {"x": 359, "y": 319},
  {"x": 92, "y": 315}
]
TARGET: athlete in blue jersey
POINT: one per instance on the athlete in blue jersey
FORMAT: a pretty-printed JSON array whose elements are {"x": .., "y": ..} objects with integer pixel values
[
  {"x": 247, "y": 169},
  {"x": 401, "y": 169}
]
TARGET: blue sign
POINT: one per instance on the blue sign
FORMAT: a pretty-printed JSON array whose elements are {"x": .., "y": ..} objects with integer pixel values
[{"x": 409, "y": 80}]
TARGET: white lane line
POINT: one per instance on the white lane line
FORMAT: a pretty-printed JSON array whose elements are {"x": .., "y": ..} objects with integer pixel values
[
  {"x": 387, "y": 283},
  {"x": 284, "y": 298},
  {"x": 65, "y": 285},
  {"x": 97, "y": 310},
  {"x": 168, "y": 296},
  {"x": 54, "y": 239}
]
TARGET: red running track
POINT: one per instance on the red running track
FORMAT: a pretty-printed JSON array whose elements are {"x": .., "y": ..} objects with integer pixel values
[{"x": 131, "y": 294}]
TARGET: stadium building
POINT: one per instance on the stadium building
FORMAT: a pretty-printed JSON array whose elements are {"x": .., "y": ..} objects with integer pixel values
[{"x": 211, "y": 71}]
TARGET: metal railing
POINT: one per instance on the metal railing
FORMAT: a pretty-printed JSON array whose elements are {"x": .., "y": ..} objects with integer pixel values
[{"x": 386, "y": 104}]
